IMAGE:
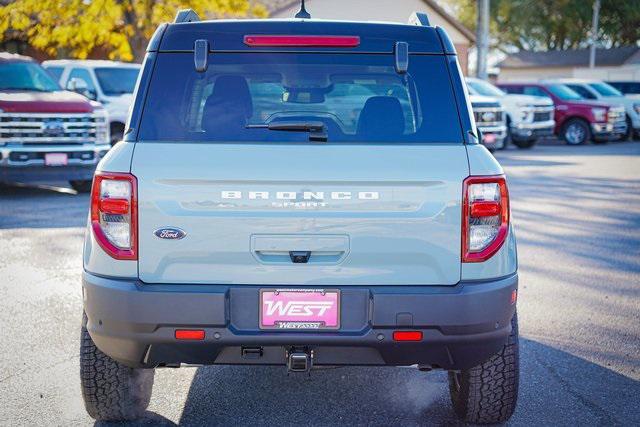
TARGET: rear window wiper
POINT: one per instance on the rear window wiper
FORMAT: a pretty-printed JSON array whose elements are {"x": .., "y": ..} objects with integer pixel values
[{"x": 317, "y": 130}]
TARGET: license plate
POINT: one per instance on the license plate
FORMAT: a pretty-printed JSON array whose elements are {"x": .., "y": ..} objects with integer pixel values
[
  {"x": 299, "y": 309},
  {"x": 489, "y": 138},
  {"x": 55, "y": 159}
]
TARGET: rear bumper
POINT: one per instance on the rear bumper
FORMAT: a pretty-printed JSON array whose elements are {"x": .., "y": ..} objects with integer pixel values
[{"x": 462, "y": 325}]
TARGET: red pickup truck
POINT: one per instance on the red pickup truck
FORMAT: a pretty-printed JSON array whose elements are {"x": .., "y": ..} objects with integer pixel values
[
  {"x": 577, "y": 120},
  {"x": 47, "y": 133}
]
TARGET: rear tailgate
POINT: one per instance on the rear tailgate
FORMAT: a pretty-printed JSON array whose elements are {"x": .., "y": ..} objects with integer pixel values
[
  {"x": 377, "y": 202},
  {"x": 368, "y": 215}
]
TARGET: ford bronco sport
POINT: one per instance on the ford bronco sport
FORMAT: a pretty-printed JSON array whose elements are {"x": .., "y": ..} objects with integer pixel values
[{"x": 300, "y": 193}]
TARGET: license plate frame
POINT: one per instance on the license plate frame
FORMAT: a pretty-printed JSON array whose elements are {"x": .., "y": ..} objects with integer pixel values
[
  {"x": 56, "y": 159},
  {"x": 308, "y": 309},
  {"x": 489, "y": 138}
]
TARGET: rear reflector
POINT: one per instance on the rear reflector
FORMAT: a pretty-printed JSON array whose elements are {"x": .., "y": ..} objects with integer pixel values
[
  {"x": 114, "y": 206},
  {"x": 514, "y": 296},
  {"x": 190, "y": 334},
  {"x": 407, "y": 335},
  {"x": 305, "y": 41},
  {"x": 479, "y": 209}
]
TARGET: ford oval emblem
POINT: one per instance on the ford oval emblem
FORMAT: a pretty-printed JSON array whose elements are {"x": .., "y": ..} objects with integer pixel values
[{"x": 169, "y": 233}]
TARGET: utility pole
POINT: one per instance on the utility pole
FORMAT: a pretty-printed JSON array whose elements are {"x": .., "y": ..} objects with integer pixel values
[
  {"x": 482, "y": 39},
  {"x": 594, "y": 33}
]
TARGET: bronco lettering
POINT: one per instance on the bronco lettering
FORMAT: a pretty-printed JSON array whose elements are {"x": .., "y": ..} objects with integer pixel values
[{"x": 305, "y": 195}]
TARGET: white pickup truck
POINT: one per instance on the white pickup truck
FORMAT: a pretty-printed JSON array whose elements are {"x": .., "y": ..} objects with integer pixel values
[{"x": 528, "y": 118}]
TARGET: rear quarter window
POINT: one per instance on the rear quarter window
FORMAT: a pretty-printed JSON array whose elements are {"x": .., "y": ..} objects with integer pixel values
[{"x": 359, "y": 98}]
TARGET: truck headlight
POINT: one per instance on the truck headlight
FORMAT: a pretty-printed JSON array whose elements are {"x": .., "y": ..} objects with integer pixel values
[{"x": 599, "y": 114}]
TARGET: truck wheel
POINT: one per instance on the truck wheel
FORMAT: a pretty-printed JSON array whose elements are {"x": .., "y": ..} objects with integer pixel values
[
  {"x": 117, "y": 132},
  {"x": 81, "y": 186},
  {"x": 488, "y": 393},
  {"x": 524, "y": 144},
  {"x": 111, "y": 391},
  {"x": 576, "y": 132},
  {"x": 629, "y": 135}
]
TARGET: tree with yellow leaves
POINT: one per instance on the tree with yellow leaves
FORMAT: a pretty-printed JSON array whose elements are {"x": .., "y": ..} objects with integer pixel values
[{"x": 122, "y": 28}]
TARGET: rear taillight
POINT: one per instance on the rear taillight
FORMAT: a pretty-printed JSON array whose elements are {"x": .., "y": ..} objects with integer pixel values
[
  {"x": 114, "y": 214},
  {"x": 485, "y": 217}
]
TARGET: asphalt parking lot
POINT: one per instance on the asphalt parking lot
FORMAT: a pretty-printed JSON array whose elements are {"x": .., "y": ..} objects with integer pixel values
[{"x": 577, "y": 213}]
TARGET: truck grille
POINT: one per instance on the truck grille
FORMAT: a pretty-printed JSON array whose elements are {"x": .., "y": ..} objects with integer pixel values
[
  {"x": 39, "y": 128},
  {"x": 616, "y": 114},
  {"x": 541, "y": 116},
  {"x": 543, "y": 113}
]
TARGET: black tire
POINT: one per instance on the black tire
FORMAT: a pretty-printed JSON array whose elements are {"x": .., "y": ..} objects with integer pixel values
[
  {"x": 111, "y": 391},
  {"x": 488, "y": 393},
  {"x": 576, "y": 132},
  {"x": 630, "y": 133},
  {"x": 81, "y": 186},
  {"x": 524, "y": 144},
  {"x": 508, "y": 137},
  {"x": 117, "y": 133}
]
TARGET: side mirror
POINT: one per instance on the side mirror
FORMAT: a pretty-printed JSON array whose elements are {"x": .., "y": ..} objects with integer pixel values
[{"x": 78, "y": 85}]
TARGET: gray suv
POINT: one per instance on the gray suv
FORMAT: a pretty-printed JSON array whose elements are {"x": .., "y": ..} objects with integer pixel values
[{"x": 300, "y": 193}]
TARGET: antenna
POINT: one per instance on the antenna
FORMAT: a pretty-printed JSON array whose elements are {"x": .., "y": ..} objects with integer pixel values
[{"x": 302, "y": 13}]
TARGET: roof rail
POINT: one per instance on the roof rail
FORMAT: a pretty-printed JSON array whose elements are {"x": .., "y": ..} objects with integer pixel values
[
  {"x": 186, "y": 15},
  {"x": 419, "y": 18}
]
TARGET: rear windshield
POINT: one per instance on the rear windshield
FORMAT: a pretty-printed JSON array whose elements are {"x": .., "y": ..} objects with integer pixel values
[{"x": 358, "y": 98}]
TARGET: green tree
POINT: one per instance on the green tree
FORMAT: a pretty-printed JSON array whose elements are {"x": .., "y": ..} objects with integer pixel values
[
  {"x": 121, "y": 27},
  {"x": 556, "y": 24}
]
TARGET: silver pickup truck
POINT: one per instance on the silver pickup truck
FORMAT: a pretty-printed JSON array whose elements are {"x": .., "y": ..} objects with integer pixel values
[{"x": 300, "y": 193}]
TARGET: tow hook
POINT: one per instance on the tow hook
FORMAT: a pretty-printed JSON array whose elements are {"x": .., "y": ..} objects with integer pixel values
[{"x": 299, "y": 359}]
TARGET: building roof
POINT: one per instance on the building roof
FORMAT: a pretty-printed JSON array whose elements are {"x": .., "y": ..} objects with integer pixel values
[
  {"x": 572, "y": 58},
  {"x": 276, "y": 7}
]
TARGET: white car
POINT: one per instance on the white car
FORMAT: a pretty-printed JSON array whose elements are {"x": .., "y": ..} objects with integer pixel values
[
  {"x": 108, "y": 82},
  {"x": 528, "y": 117},
  {"x": 604, "y": 92}
]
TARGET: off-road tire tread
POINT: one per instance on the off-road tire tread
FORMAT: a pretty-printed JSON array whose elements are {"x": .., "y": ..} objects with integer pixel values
[
  {"x": 488, "y": 392},
  {"x": 111, "y": 391}
]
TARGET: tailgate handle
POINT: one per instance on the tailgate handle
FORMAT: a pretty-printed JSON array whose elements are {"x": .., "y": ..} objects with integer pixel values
[
  {"x": 298, "y": 257},
  {"x": 299, "y": 249}
]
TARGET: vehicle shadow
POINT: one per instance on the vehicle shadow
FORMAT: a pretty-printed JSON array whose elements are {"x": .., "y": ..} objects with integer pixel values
[
  {"x": 556, "y": 388},
  {"x": 149, "y": 419},
  {"x": 23, "y": 206}
]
